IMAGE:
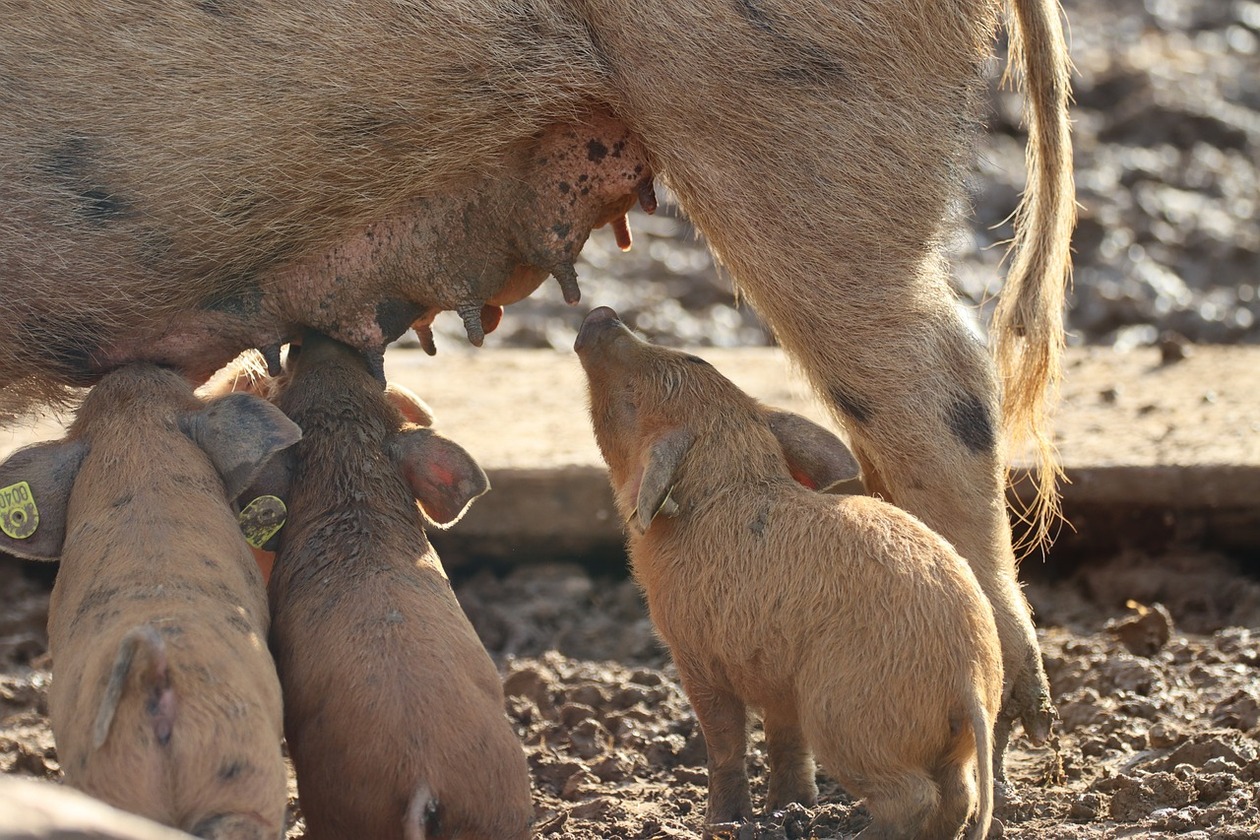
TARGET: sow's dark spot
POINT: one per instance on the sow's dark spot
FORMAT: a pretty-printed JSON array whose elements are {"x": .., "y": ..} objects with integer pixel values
[
  {"x": 216, "y": 8},
  {"x": 755, "y": 14},
  {"x": 803, "y": 63},
  {"x": 69, "y": 159},
  {"x": 852, "y": 405},
  {"x": 98, "y": 205},
  {"x": 245, "y": 303},
  {"x": 70, "y": 166},
  {"x": 68, "y": 343},
  {"x": 812, "y": 67},
  {"x": 596, "y": 151},
  {"x": 969, "y": 420}
]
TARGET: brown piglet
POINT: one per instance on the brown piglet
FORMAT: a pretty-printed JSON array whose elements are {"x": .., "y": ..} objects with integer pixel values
[
  {"x": 859, "y": 633},
  {"x": 164, "y": 699},
  {"x": 393, "y": 709}
]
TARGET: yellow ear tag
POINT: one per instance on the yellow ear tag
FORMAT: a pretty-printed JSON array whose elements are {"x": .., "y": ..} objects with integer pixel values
[
  {"x": 261, "y": 519},
  {"x": 18, "y": 515}
]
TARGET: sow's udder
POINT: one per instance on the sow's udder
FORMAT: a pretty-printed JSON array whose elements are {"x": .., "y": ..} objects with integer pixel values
[{"x": 474, "y": 251}]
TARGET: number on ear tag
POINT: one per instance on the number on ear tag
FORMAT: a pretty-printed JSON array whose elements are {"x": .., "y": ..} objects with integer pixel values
[{"x": 19, "y": 517}]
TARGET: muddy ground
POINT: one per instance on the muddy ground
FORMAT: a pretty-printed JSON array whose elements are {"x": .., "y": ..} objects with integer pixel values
[{"x": 1159, "y": 704}]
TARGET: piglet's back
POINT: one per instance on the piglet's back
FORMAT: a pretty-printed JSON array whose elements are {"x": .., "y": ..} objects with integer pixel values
[{"x": 851, "y": 563}]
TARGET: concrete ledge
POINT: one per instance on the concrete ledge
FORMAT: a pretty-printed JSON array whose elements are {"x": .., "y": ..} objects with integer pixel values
[
  {"x": 1135, "y": 436},
  {"x": 1180, "y": 486},
  {"x": 1154, "y": 453}
]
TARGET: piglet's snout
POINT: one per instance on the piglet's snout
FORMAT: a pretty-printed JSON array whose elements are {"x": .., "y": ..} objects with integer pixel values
[{"x": 599, "y": 324}]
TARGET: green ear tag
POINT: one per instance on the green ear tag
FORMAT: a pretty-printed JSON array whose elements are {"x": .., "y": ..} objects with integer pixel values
[
  {"x": 261, "y": 519},
  {"x": 18, "y": 515}
]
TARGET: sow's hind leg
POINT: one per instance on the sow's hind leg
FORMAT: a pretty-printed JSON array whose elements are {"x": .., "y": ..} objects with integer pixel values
[{"x": 823, "y": 171}]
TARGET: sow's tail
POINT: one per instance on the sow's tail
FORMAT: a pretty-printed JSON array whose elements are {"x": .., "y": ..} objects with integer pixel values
[
  {"x": 982, "y": 726},
  {"x": 1028, "y": 324},
  {"x": 159, "y": 698}
]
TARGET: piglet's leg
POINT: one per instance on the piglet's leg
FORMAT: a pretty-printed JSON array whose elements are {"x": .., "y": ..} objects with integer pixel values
[
  {"x": 791, "y": 764},
  {"x": 724, "y": 721}
]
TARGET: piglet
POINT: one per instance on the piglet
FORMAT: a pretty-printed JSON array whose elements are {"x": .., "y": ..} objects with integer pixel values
[
  {"x": 393, "y": 710},
  {"x": 860, "y": 634},
  {"x": 164, "y": 699}
]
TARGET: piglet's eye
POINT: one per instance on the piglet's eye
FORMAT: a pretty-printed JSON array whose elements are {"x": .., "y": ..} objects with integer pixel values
[{"x": 695, "y": 360}]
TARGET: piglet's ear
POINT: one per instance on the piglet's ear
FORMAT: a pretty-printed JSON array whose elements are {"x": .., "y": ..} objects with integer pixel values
[
  {"x": 443, "y": 476},
  {"x": 657, "y": 479},
  {"x": 817, "y": 458},
  {"x": 412, "y": 408},
  {"x": 35, "y": 485},
  {"x": 240, "y": 433}
]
